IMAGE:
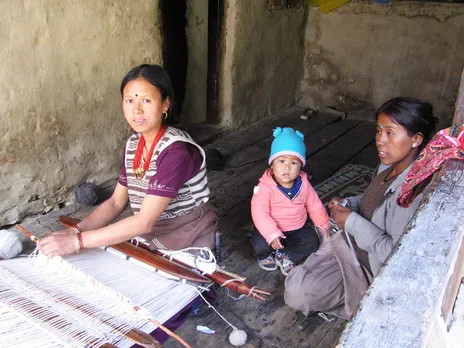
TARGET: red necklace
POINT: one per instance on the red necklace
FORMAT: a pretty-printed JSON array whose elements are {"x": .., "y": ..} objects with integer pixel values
[{"x": 139, "y": 171}]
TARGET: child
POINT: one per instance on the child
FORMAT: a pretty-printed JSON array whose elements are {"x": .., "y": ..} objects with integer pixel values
[{"x": 280, "y": 206}]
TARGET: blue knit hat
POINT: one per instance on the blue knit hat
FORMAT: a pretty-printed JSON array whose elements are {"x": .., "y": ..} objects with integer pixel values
[{"x": 288, "y": 142}]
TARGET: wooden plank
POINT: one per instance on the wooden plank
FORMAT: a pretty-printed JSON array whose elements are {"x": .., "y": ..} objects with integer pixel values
[
  {"x": 456, "y": 330},
  {"x": 404, "y": 299},
  {"x": 368, "y": 156},
  {"x": 335, "y": 155},
  {"x": 438, "y": 337},
  {"x": 258, "y": 152},
  {"x": 452, "y": 286},
  {"x": 251, "y": 134},
  {"x": 459, "y": 109},
  {"x": 236, "y": 189}
]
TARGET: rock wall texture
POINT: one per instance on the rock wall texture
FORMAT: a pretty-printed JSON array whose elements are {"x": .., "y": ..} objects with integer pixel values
[
  {"x": 60, "y": 109},
  {"x": 365, "y": 53},
  {"x": 262, "y": 60}
]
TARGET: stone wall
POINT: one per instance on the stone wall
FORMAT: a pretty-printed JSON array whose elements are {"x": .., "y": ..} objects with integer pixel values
[
  {"x": 262, "y": 60},
  {"x": 365, "y": 53},
  {"x": 60, "y": 110}
]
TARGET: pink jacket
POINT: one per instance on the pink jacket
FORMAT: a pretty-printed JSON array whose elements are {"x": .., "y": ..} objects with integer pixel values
[{"x": 273, "y": 213}]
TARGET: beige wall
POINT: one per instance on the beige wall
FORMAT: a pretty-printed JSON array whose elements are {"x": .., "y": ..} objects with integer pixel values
[
  {"x": 194, "y": 107},
  {"x": 362, "y": 54},
  {"x": 60, "y": 114},
  {"x": 262, "y": 60}
]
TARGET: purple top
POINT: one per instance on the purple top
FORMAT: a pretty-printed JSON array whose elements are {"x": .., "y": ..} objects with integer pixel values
[{"x": 177, "y": 164}]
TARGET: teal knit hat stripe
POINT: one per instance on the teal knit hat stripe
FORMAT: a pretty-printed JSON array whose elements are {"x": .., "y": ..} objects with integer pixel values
[{"x": 288, "y": 142}]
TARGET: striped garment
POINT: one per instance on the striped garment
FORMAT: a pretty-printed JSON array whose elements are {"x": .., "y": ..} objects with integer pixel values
[{"x": 191, "y": 194}]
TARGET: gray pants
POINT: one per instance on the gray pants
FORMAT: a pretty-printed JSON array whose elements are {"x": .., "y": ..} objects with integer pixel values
[{"x": 328, "y": 281}]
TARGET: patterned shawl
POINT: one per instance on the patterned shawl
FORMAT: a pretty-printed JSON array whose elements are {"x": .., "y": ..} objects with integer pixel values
[{"x": 446, "y": 144}]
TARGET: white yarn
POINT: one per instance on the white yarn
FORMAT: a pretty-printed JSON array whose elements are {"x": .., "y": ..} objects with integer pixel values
[
  {"x": 10, "y": 244},
  {"x": 106, "y": 286},
  {"x": 237, "y": 338}
]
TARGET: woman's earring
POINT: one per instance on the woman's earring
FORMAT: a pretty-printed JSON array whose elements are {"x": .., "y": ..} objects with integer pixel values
[{"x": 165, "y": 115}]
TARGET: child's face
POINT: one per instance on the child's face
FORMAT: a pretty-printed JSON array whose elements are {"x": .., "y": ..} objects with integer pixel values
[{"x": 286, "y": 168}]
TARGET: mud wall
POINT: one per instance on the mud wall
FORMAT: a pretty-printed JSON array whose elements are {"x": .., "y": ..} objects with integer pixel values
[
  {"x": 194, "y": 107},
  {"x": 262, "y": 60},
  {"x": 365, "y": 53},
  {"x": 60, "y": 111}
]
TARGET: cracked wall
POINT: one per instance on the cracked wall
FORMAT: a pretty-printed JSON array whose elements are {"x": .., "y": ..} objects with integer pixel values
[
  {"x": 60, "y": 110},
  {"x": 365, "y": 53}
]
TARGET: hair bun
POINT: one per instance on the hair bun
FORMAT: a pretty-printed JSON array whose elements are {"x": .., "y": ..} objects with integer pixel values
[{"x": 278, "y": 131}]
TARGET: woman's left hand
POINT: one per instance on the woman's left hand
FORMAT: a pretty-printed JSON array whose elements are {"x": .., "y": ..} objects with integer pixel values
[
  {"x": 59, "y": 243},
  {"x": 339, "y": 214}
]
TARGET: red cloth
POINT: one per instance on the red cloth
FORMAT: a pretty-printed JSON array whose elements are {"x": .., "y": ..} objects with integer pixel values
[{"x": 446, "y": 144}]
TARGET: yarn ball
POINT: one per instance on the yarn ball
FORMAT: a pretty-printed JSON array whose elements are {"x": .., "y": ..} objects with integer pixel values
[
  {"x": 86, "y": 193},
  {"x": 237, "y": 337},
  {"x": 10, "y": 244}
]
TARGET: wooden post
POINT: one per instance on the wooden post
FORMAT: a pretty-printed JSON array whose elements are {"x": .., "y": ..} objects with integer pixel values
[{"x": 459, "y": 111}]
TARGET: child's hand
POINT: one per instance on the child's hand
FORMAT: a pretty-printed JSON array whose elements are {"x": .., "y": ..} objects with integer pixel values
[{"x": 276, "y": 245}]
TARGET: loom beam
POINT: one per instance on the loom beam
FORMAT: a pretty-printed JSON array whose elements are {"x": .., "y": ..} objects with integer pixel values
[
  {"x": 148, "y": 257},
  {"x": 218, "y": 276}
]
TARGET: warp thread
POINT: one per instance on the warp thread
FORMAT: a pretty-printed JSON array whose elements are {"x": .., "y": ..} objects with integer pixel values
[{"x": 10, "y": 244}]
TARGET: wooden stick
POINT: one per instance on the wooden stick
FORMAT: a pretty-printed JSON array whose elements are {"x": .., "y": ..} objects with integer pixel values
[
  {"x": 219, "y": 277},
  {"x": 149, "y": 258},
  {"x": 170, "y": 333}
]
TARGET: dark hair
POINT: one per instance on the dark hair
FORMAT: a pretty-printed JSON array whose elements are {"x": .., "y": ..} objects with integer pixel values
[
  {"x": 158, "y": 77},
  {"x": 412, "y": 114}
]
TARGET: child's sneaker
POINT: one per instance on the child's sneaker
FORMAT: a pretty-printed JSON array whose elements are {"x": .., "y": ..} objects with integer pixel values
[
  {"x": 268, "y": 264},
  {"x": 282, "y": 260}
]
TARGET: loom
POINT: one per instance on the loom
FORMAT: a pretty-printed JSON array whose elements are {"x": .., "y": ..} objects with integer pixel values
[
  {"x": 103, "y": 297},
  {"x": 93, "y": 298}
]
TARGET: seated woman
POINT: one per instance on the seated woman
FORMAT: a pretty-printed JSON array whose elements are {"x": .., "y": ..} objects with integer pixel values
[
  {"x": 163, "y": 176},
  {"x": 330, "y": 280}
]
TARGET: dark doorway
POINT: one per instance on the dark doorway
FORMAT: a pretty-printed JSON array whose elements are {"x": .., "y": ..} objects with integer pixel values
[
  {"x": 175, "y": 22},
  {"x": 215, "y": 29},
  {"x": 175, "y": 51}
]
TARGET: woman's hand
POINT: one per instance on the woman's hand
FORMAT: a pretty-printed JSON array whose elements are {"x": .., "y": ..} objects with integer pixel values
[
  {"x": 276, "y": 245},
  {"x": 339, "y": 214},
  {"x": 59, "y": 243},
  {"x": 334, "y": 201}
]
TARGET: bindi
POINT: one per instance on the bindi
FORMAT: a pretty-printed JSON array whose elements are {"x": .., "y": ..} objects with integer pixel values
[{"x": 136, "y": 95}]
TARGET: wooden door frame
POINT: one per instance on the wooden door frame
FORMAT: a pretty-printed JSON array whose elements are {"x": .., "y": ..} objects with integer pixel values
[{"x": 215, "y": 35}]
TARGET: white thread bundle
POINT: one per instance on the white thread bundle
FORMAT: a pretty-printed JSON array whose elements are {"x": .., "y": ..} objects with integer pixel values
[{"x": 64, "y": 299}]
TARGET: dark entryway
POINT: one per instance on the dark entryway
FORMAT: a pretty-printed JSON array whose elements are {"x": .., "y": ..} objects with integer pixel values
[{"x": 175, "y": 21}]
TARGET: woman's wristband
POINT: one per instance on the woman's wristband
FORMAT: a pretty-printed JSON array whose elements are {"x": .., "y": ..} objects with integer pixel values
[
  {"x": 81, "y": 242},
  {"x": 78, "y": 240}
]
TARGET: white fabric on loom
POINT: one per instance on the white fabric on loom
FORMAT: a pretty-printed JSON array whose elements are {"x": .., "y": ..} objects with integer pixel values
[{"x": 120, "y": 285}]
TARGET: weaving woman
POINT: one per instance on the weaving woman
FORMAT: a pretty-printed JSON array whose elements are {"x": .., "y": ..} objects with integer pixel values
[
  {"x": 163, "y": 176},
  {"x": 331, "y": 280}
]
